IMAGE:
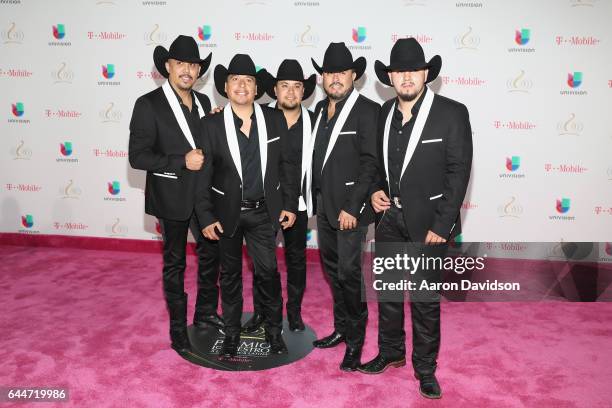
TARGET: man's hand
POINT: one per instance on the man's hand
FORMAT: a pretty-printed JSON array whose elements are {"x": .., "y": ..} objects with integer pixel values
[
  {"x": 380, "y": 201},
  {"x": 217, "y": 110},
  {"x": 433, "y": 239},
  {"x": 290, "y": 219},
  {"x": 210, "y": 233},
  {"x": 194, "y": 159},
  {"x": 346, "y": 221}
]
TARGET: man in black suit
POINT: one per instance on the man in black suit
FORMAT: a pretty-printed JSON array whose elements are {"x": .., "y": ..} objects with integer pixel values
[
  {"x": 249, "y": 188},
  {"x": 164, "y": 141},
  {"x": 425, "y": 156},
  {"x": 337, "y": 188},
  {"x": 288, "y": 89}
]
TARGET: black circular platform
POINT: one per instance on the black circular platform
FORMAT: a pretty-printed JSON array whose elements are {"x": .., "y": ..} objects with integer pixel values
[{"x": 254, "y": 351}]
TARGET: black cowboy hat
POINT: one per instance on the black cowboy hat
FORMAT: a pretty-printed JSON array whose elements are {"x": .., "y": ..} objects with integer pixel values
[
  {"x": 338, "y": 58},
  {"x": 241, "y": 64},
  {"x": 291, "y": 70},
  {"x": 407, "y": 55},
  {"x": 183, "y": 48}
]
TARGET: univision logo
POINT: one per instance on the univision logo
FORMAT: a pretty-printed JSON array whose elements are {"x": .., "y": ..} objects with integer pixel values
[
  {"x": 359, "y": 34},
  {"x": 521, "y": 36},
  {"x": 513, "y": 163},
  {"x": 114, "y": 187},
  {"x": 17, "y": 109},
  {"x": 27, "y": 220},
  {"x": 66, "y": 148},
  {"x": 574, "y": 80},
  {"x": 108, "y": 71},
  {"x": 205, "y": 32},
  {"x": 563, "y": 205},
  {"x": 59, "y": 31}
]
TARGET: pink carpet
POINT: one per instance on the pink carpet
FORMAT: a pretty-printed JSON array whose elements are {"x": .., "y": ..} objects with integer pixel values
[{"x": 95, "y": 322}]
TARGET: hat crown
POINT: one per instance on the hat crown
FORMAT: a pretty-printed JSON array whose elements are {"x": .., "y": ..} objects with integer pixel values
[
  {"x": 407, "y": 50},
  {"x": 290, "y": 69},
  {"x": 184, "y": 48},
  {"x": 242, "y": 64},
  {"x": 337, "y": 57}
]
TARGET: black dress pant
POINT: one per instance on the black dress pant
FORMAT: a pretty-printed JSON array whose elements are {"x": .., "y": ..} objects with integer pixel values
[
  {"x": 341, "y": 254},
  {"x": 295, "y": 259},
  {"x": 425, "y": 314},
  {"x": 174, "y": 234},
  {"x": 256, "y": 229}
]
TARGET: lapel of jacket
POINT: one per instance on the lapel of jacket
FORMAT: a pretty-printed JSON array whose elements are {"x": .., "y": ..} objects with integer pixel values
[
  {"x": 232, "y": 137},
  {"x": 417, "y": 130},
  {"x": 346, "y": 109},
  {"x": 178, "y": 112},
  {"x": 308, "y": 163},
  {"x": 262, "y": 132}
]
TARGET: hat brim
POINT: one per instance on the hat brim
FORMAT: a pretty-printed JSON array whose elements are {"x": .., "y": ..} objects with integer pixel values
[
  {"x": 161, "y": 55},
  {"x": 359, "y": 66},
  {"x": 309, "y": 86},
  {"x": 434, "y": 66},
  {"x": 221, "y": 73}
]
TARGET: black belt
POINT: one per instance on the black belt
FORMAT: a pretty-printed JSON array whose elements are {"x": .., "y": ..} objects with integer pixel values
[
  {"x": 396, "y": 201},
  {"x": 251, "y": 204}
]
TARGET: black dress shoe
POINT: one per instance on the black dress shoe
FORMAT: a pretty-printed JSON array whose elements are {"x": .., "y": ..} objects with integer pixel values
[
  {"x": 330, "y": 341},
  {"x": 277, "y": 344},
  {"x": 204, "y": 322},
  {"x": 429, "y": 386},
  {"x": 296, "y": 324},
  {"x": 254, "y": 323},
  {"x": 351, "y": 360},
  {"x": 180, "y": 341},
  {"x": 230, "y": 346},
  {"x": 381, "y": 363}
]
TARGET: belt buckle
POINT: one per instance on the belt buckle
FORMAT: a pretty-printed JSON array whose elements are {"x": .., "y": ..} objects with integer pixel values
[
  {"x": 256, "y": 204},
  {"x": 396, "y": 201}
]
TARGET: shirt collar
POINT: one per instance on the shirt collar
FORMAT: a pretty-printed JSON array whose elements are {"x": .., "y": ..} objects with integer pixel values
[
  {"x": 180, "y": 101},
  {"x": 238, "y": 121},
  {"x": 415, "y": 108}
]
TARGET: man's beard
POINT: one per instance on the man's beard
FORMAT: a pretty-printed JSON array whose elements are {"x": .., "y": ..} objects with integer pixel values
[
  {"x": 409, "y": 97},
  {"x": 339, "y": 97},
  {"x": 289, "y": 106}
]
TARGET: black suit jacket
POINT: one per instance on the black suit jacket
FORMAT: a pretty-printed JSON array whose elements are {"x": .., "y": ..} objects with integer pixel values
[
  {"x": 434, "y": 184},
  {"x": 350, "y": 169},
  {"x": 157, "y": 145},
  {"x": 220, "y": 186}
]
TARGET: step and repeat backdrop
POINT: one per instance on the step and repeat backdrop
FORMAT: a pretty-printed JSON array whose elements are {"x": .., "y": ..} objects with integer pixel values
[{"x": 536, "y": 77}]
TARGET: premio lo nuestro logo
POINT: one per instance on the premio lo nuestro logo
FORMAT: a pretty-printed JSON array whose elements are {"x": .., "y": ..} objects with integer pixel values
[
  {"x": 18, "y": 109},
  {"x": 467, "y": 41},
  {"x": 563, "y": 205},
  {"x": 155, "y": 36},
  {"x": 204, "y": 32},
  {"x": 306, "y": 38},
  {"x": 13, "y": 35},
  {"x": 114, "y": 187},
  {"x": 359, "y": 34},
  {"x": 519, "y": 83},
  {"x": 66, "y": 149},
  {"x": 570, "y": 126},
  {"x": 62, "y": 74}
]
